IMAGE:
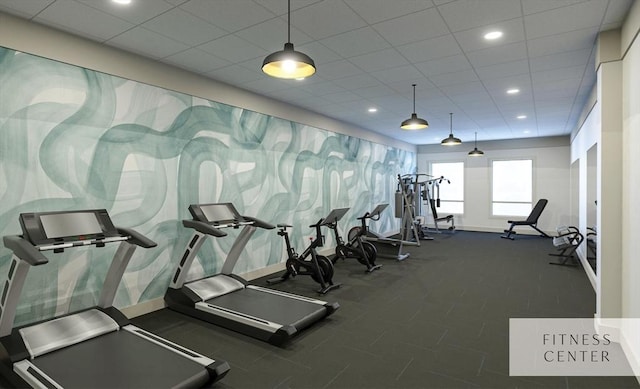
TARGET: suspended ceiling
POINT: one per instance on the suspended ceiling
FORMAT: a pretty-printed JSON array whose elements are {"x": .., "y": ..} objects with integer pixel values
[{"x": 369, "y": 52}]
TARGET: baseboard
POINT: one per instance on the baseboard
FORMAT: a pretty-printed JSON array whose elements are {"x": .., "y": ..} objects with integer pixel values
[
  {"x": 631, "y": 356},
  {"x": 158, "y": 303},
  {"x": 619, "y": 329},
  {"x": 143, "y": 308},
  {"x": 265, "y": 271}
]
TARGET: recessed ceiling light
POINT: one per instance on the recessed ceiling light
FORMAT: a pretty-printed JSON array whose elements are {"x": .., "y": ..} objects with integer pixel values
[
  {"x": 493, "y": 35},
  {"x": 521, "y": 116},
  {"x": 513, "y": 91},
  {"x": 122, "y": 1},
  {"x": 373, "y": 109},
  {"x": 526, "y": 131}
]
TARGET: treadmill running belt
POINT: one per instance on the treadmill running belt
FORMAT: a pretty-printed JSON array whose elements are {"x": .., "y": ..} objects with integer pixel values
[
  {"x": 121, "y": 360},
  {"x": 272, "y": 307}
]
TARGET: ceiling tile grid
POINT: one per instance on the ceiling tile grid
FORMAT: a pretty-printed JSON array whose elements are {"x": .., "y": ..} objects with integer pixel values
[{"x": 369, "y": 52}]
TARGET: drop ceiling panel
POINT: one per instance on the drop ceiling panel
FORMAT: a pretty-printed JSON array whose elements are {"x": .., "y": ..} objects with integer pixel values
[
  {"x": 324, "y": 88},
  {"x": 616, "y": 11},
  {"x": 230, "y": 16},
  {"x": 497, "y": 55},
  {"x": 414, "y": 27},
  {"x": 532, "y": 7},
  {"x": 325, "y": 19},
  {"x": 454, "y": 78},
  {"x": 556, "y": 76},
  {"x": 338, "y": 69},
  {"x": 196, "y": 61},
  {"x": 473, "y": 39},
  {"x": 279, "y": 7},
  {"x": 262, "y": 35},
  {"x": 369, "y": 52},
  {"x": 378, "y": 60},
  {"x": 184, "y": 27},
  {"x": 358, "y": 82},
  {"x": 454, "y": 63},
  {"x": 233, "y": 49},
  {"x": 357, "y": 42},
  {"x": 374, "y": 11},
  {"x": 319, "y": 52},
  {"x": 430, "y": 49},
  {"x": 25, "y": 9},
  {"x": 137, "y": 12},
  {"x": 375, "y": 91},
  {"x": 559, "y": 43},
  {"x": 514, "y": 68},
  {"x": 465, "y": 14},
  {"x": 560, "y": 60},
  {"x": 570, "y": 18},
  {"x": 463, "y": 89},
  {"x": 235, "y": 75},
  {"x": 400, "y": 73},
  {"x": 78, "y": 18},
  {"x": 144, "y": 42}
]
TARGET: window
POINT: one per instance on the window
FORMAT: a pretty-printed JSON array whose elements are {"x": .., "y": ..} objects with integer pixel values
[
  {"x": 512, "y": 187},
  {"x": 451, "y": 190}
]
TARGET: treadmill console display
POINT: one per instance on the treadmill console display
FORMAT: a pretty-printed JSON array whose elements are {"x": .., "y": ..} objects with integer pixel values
[
  {"x": 42, "y": 228},
  {"x": 217, "y": 214}
]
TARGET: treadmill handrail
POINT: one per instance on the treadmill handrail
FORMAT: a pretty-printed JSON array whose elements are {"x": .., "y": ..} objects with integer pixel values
[
  {"x": 205, "y": 228},
  {"x": 137, "y": 238},
  {"x": 260, "y": 223},
  {"x": 24, "y": 250}
]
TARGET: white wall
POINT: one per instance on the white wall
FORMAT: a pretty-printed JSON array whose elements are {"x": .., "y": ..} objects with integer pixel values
[
  {"x": 631, "y": 180},
  {"x": 551, "y": 180},
  {"x": 584, "y": 140},
  {"x": 614, "y": 126}
]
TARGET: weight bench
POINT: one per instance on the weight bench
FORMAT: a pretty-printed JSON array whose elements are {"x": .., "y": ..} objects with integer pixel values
[
  {"x": 567, "y": 242},
  {"x": 436, "y": 219},
  {"x": 532, "y": 221}
]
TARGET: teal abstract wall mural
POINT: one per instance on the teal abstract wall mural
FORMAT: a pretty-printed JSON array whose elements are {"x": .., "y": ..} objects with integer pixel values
[{"x": 72, "y": 138}]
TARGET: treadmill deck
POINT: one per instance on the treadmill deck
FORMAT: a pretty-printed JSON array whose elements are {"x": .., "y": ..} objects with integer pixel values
[
  {"x": 120, "y": 359},
  {"x": 272, "y": 307}
]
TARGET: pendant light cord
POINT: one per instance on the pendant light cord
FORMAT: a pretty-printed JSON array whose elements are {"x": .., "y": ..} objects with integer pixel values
[
  {"x": 414, "y": 98},
  {"x": 289, "y": 21},
  {"x": 451, "y": 123}
]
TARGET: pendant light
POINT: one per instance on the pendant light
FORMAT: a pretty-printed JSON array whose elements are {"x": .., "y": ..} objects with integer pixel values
[
  {"x": 414, "y": 122},
  {"x": 288, "y": 63},
  {"x": 475, "y": 152},
  {"x": 451, "y": 140}
]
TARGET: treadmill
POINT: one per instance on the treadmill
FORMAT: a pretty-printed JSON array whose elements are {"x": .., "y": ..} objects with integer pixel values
[
  {"x": 95, "y": 347},
  {"x": 226, "y": 299}
]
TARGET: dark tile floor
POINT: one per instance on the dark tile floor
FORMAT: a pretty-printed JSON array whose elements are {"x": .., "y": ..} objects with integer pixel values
[{"x": 439, "y": 319}]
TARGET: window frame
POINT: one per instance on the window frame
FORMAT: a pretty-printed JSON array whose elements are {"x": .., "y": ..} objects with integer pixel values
[
  {"x": 464, "y": 183},
  {"x": 533, "y": 186}
]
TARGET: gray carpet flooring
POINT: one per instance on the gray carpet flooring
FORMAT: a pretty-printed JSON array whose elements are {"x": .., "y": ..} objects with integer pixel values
[{"x": 439, "y": 319}]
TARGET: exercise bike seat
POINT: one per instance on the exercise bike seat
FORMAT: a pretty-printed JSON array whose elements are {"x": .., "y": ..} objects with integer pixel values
[{"x": 284, "y": 225}]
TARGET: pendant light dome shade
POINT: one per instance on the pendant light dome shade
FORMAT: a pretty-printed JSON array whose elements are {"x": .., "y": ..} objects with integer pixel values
[
  {"x": 451, "y": 140},
  {"x": 288, "y": 63},
  {"x": 414, "y": 122},
  {"x": 475, "y": 152}
]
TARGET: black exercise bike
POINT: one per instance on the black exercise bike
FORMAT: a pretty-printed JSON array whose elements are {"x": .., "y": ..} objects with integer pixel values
[
  {"x": 309, "y": 263},
  {"x": 364, "y": 252}
]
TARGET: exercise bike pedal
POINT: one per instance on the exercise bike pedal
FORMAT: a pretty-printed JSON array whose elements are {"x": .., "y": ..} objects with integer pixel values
[{"x": 373, "y": 268}]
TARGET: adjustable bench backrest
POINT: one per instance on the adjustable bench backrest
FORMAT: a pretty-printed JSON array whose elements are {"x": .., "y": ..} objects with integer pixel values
[{"x": 537, "y": 211}]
